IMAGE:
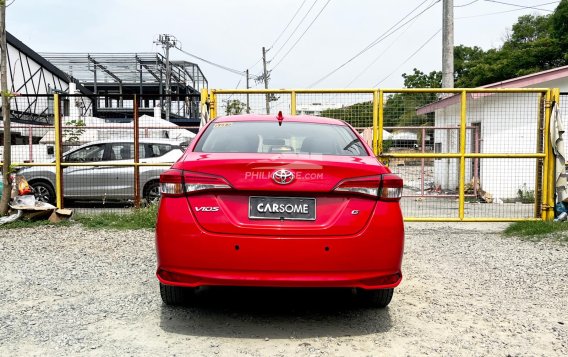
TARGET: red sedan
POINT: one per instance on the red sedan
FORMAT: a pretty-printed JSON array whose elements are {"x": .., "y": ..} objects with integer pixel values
[{"x": 266, "y": 200}]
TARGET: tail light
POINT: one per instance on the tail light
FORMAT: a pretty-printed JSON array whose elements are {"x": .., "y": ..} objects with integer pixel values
[
  {"x": 387, "y": 187},
  {"x": 196, "y": 182},
  {"x": 368, "y": 186},
  {"x": 391, "y": 188},
  {"x": 171, "y": 183},
  {"x": 176, "y": 183}
]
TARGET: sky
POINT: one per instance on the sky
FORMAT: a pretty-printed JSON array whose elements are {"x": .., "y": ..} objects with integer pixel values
[{"x": 323, "y": 52}]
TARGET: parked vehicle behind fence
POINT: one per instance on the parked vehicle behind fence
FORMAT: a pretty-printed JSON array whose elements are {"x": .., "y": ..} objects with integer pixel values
[{"x": 106, "y": 182}]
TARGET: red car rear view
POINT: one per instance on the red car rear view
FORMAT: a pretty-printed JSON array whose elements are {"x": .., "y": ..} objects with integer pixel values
[{"x": 295, "y": 202}]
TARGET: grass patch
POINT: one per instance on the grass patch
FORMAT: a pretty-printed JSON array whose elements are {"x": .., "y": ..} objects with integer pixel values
[
  {"x": 143, "y": 218},
  {"x": 537, "y": 230},
  {"x": 31, "y": 224}
]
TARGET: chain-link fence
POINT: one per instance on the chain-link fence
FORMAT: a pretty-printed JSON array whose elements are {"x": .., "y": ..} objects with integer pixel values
[
  {"x": 463, "y": 154},
  {"x": 471, "y": 154},
  {"x": 106, "y": 152}
]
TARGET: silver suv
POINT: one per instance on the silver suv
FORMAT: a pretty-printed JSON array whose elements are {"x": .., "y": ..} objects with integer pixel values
[{"x": 106, "y": 182}]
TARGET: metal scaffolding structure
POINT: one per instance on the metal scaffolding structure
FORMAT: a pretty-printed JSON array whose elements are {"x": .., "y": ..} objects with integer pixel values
[
  {"x": 134, "y": 73},
  {"x": 31, "y": 75},
  {"x": 129, "y": 73}
]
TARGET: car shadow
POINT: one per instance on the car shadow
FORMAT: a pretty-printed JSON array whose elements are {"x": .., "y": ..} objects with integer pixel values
[{"x": 274, "y": 313}]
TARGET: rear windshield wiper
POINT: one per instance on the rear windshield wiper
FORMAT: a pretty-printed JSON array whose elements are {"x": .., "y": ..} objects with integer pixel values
[{"x": 353, "y": 142}]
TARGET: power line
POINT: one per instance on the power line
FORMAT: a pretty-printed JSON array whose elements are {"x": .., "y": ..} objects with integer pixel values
[
  {"x": 503, "y": 12},
  {"x": 228, "y": 69},
  {"x": 284, "y": 30},
  {"x": 379, "y": 56},
  {"x": 520, "y": 6},
  {"x": 289, "y": 22},
  {"x": 236, "y": 87},
  {"x": 295, "y": 29},
  {"x": 469, "y": 3},
  {"x": 409, "y": 57},
  {"x": 379, "y": 39},
  {"x": 299, "y": 38},
  {"x": 257, "y": 62}
]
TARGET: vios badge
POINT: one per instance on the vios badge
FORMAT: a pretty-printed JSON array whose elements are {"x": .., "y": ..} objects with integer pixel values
[{"x": 283, "y": 177}]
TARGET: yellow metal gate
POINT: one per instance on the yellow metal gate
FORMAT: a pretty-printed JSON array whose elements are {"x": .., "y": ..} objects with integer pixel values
[{"x": 464, "y": 154}]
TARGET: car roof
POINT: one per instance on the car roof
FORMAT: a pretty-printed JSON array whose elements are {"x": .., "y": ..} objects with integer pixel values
[
  {"x": 273, "y": 117},
  {"x": 141, "y": 140}
]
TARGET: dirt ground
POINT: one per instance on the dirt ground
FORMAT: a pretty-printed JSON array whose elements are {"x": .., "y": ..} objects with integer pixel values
[{"x": 466, "y": 291}]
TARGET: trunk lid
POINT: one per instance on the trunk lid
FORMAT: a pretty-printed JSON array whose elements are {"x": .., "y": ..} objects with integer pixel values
[{"x": 315, "y": 177}]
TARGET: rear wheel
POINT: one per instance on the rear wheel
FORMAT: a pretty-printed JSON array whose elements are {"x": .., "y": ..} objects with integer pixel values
[
  {"x": 152, "y": 192},
  {"x": 176, "y": 295},
  {"x": 375, "y": 298},
  {"x": 43, "y": 191}
]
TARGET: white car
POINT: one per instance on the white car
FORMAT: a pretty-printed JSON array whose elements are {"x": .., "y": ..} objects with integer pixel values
[{"x": 106, "y": 182}]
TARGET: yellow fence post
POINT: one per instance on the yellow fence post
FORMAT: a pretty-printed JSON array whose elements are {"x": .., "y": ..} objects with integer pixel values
[
  {"x": 57, "y": 141},
  {"x": 379, "y": 129},
  {"x": 554, "y": 98},
  {"x": 375, "y": 121},
  {"x": 539, "y": 175},
  {"x": 203, "y": 100},
  {"x": 463, "y": 124},
  {"x": 546, "y": 161},
  {"x": 212, "y": 104},
  {"x": 293, "y": 103}
]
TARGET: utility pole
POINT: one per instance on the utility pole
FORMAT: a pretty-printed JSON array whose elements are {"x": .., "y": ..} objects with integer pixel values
[
  {"x": 7, "y": 186},
  {"x": 448, "y": 44},
  {"x": 248, "y": 87},
  {"x": 266, "y": 80},
  {"x": 167, "y": 42}
]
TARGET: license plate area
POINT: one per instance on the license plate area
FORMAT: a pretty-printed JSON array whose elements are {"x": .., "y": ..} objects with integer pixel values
[{"x": 282, "y": 208}]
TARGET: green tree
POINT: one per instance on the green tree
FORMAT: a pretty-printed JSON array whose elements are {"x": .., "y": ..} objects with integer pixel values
[
  {"x": 529, "y": 28},
  {"x": 419, "y": 79},
  {"x": 235, "y": 107},
  {"x": 399, "y": 109},
  {"x": 536, "y": 43},
  {"x": 464, "y": 56},
  {"x": 72, "y": 135},
  {"x": 358, "y": 114},
  {"x": 559, "y": 27}
]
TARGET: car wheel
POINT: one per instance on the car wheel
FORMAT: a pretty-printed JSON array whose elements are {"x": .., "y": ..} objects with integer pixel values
[
  {"x": 43, "y": 191},
  {"x": 375, "y": 298},
  {"x": 176, "y": 295},
  {"x": 152, "y": 192}
]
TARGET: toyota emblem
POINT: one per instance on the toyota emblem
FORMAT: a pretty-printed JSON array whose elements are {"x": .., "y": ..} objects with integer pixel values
[{"x": 283, "y": 177}]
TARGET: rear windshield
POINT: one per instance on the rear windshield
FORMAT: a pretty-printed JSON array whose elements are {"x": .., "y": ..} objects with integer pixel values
[{"x": 290, "y": 138}]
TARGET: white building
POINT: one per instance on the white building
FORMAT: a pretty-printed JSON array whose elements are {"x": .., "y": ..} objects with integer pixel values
[{"x": 497, "y": 124}]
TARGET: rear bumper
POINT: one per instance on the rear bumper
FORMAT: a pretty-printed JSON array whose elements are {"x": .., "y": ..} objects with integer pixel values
[
  {"x": 194, "y": 278},
  {"x": 190, "y": 256}
]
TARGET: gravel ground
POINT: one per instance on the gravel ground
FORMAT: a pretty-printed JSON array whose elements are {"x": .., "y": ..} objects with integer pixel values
[{"x": 466, "y": 291}]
